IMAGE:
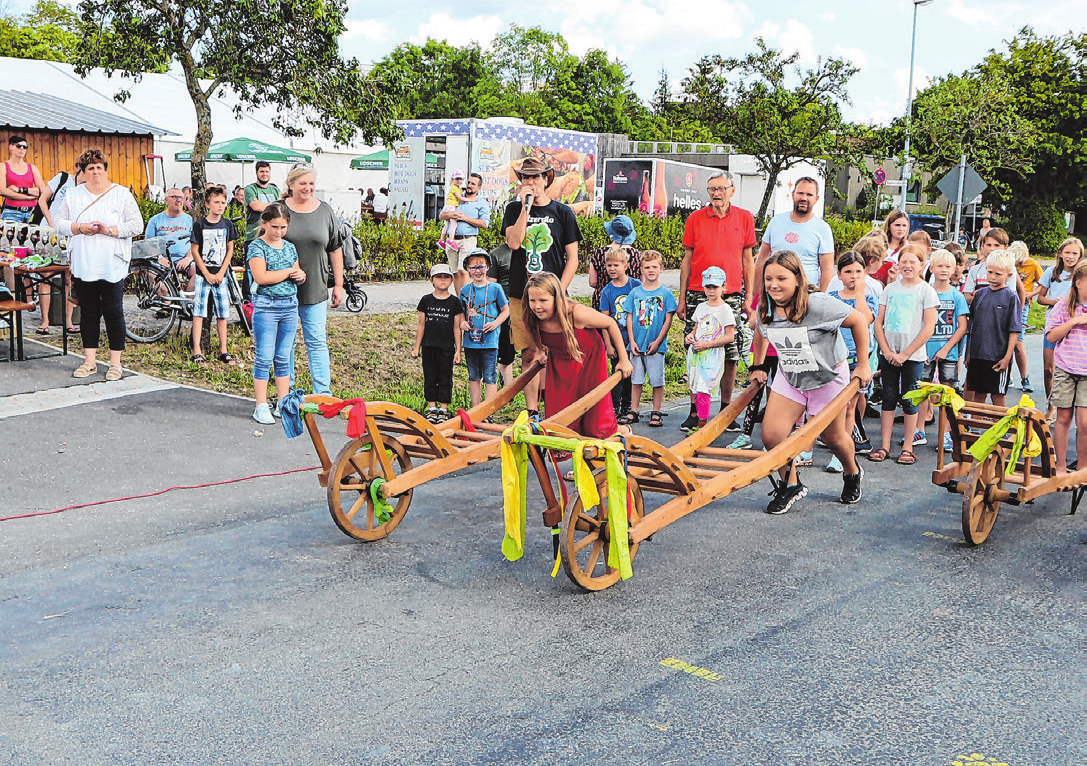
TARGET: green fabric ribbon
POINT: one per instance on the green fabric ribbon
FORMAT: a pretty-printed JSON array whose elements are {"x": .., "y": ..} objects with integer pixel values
[
  {"x": 947, "y": 396},
  {"x": 382, "y": 509},
  {"x": 514, "y": 458},
  {"x": 987, "y": 442}
]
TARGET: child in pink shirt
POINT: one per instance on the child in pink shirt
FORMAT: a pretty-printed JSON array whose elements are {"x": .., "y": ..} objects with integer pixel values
[{"x": 1066, "y": 326}]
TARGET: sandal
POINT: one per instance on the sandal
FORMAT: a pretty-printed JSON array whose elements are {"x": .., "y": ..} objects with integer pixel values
[
  {"x": 629, "y": 418},
  {"x": 114, "y": 372},
  {"x": 228, "y": 359},
  {"x": 656, "y": 419},
  {"x": 199, "y": 360},
  {"x": 85, "y": 370},
  {"x": 42, "y": 331},
  {"x": 906, "y": 458},
  {"x": 879, "y": 455}
]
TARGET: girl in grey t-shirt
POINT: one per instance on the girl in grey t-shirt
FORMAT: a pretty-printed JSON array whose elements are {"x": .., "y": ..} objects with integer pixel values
[{"x": 804, "y": 328}]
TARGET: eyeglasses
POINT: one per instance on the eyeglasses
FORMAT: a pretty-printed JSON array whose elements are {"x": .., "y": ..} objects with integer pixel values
[
  {"x": 718, "y": 188},
  {"x": 174, "y": 196},
  {"x": 477, "y": 268}
]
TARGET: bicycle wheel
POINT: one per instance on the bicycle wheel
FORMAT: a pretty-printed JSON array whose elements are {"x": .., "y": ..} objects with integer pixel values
[
  {"x": 149, "y": 299},
  {"x": 236, "y": 298}
]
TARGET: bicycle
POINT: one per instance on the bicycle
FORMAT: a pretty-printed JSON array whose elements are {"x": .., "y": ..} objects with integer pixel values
[{"x": 153, "y": 298}]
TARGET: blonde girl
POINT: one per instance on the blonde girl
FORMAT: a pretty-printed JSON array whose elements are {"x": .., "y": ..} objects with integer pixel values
[
  {"x": 566, "y": 335},
  {"x": 1052, "y": 287},
  {"x": 1066, "y": 328}
]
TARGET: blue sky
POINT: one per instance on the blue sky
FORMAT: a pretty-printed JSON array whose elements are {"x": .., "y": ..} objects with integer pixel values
[{"x": 649, "y": 35}]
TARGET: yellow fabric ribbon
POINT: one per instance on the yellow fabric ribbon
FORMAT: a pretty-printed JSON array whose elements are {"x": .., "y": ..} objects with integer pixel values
[
  {"x": 988, "y": 440},
  {"x": 947, "y": 396},
  {"x": 514, "y": 457}
]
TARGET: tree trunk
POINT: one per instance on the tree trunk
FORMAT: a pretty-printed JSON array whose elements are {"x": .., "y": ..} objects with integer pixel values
[
  {"x": 771, "y": 184},
  {"x": 198, "y": 174}
]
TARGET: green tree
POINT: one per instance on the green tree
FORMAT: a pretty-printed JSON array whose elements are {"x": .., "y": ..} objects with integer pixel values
[
  {"x": 768, "y": 107},
  {"x": 46, "y": 33},
  {"x": 238, "y": 45},
  {"x": 440, "y": 80}
]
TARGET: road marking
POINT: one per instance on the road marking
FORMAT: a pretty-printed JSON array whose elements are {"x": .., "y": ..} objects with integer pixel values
[
  {"x": 69, "y": 396},
  {"x": 694, "y": 670},
  {"x": 976, "y": 759},
  {"x": 938, "y": 536}
]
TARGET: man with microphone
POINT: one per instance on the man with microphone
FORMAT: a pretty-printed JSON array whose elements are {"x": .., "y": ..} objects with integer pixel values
[{"x": 543, "y": 235}]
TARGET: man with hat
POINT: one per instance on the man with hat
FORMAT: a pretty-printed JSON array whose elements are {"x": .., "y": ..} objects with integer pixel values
[
  {"x": 543, "y": 235},
  {"x": 720, "y": 235},
  {"x": 471, "y": 215}
]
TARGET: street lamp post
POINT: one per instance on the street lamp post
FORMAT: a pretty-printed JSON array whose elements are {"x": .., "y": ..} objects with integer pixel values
[{"x": 907, "y": 169}]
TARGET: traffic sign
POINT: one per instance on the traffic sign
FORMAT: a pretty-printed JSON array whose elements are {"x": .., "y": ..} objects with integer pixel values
[
  {"x": 880, "y": 176},
  {"x": 972, "y": 184}
]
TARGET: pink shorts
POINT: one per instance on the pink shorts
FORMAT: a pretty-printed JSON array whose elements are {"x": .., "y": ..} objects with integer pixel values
[{"x": 818, "y": 398}]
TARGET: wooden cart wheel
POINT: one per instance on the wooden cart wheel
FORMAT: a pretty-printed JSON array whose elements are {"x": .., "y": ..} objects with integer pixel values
[
  {"x": 584, "y": 536},
  {"x": 349, "y": 499},
  {"x": 979, "y": 506}
]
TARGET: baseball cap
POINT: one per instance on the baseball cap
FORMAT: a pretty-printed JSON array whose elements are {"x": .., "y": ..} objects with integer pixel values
[
  {"x": 457, "y": 174},
  {"x": 479, "y": 251},
  {"x": 714, "y": 276},
  {"x": 440, "y": 268}
]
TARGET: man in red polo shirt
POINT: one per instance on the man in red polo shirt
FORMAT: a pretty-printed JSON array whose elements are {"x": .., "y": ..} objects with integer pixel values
[{"x": 721, "y": 235}]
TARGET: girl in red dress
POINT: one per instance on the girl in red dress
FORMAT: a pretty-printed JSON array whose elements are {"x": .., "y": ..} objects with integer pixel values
[{"x": 567, "y": 335}]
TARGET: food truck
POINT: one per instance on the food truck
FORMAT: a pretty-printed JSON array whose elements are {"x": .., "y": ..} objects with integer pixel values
[{"x": 492, "y": 148}]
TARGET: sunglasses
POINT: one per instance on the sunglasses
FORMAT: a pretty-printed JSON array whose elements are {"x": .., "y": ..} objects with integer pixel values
[{"x": 21, "y": 146}]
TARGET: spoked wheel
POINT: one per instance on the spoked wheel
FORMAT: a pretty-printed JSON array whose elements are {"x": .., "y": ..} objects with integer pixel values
[
  {"x": 150, "y": 302},
  {"x": 350, "y": 499},
  {"x": 585, "y": 534},
  {"x": 982, "y": 497}
]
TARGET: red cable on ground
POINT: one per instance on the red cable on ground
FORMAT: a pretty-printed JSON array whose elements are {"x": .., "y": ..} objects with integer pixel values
[{"x": 159, "y": 492}]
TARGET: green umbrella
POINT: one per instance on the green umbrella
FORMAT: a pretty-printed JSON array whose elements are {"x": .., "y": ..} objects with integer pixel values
[
  {"x": 246, "y": 150},
  {"x": 379, "y": 160}
]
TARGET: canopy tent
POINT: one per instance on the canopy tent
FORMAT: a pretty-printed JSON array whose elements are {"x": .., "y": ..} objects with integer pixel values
[
  {"x": 379, "y": 160},
  {"x": 246, "y": 150}
]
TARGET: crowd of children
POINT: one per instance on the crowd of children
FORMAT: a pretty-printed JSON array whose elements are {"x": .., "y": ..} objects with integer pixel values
[{"x": 915, "y": 314}]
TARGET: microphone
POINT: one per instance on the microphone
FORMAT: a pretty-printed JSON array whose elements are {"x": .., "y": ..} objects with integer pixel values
[{"x": 528, "y": 200}]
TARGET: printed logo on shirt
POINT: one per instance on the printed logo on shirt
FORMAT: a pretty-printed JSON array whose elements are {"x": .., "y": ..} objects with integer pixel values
[
  {"x": 792, "y": 237},
  {"x": 647, "y": 309},
  {"x": 709, "y": 327},
  {"x": 214, "y": 247},
  {"x": 621, "y": 309},
  {"x": 538, "y": 240},
  {"x": 793, "y": 347}
]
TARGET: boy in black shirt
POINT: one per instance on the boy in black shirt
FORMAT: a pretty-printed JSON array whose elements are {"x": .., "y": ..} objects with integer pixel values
[
  {"x": 212, "y": 249},
  {"x": 437, "y": 340}
]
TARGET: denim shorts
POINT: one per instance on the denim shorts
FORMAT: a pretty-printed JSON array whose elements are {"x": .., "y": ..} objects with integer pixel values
[
  {"x": 648, "y": 366},
  {"x": 946, "y": 369},
  {"x": 17, "y": 214},
  {"x": 482, "y": 364}
]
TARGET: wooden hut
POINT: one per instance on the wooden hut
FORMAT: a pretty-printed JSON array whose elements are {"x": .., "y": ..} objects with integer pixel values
[{"x": 59, "y": 130}]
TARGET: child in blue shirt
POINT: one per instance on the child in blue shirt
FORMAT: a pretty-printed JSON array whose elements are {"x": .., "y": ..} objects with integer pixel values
[
  {"x": 943, "y": 347},
  {"x": 613, "y": 302},
  {"x": 485, "y": 309},
  {"x": 651, "y": 307}
]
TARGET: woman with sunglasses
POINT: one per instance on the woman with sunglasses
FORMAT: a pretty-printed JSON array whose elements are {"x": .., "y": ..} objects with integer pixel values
[{"x": 24, "y": 190}]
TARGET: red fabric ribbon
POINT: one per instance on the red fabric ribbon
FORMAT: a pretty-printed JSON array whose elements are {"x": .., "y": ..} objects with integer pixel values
[
  {"x": 356, "y": 421},
  {"x": 466, "y": 420}
]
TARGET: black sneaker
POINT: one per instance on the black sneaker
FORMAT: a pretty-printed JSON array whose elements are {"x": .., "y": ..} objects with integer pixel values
[
  {"x": 863, "y": 447},
  {"x": 851, "y": 486},
  {"x": 689, "y": 423},
  {"x": 784, "y": 496}
]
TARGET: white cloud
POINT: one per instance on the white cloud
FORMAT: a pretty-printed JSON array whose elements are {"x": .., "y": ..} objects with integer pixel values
[
  {"x": 974, "y": 14},
  {"x": 794, "y": 36},
  {"x": 461, "y": 31},
  {"x": 855, "y": 55},
  {"x": 921, "y": 80},
  {"x": 828, "y": 17},
  {"x": 368, "y": 29},
  {"x": 628, "y": 25}
]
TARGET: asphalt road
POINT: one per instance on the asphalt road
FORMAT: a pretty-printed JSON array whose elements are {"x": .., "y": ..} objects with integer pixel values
[{"x": 235, "y": 624}]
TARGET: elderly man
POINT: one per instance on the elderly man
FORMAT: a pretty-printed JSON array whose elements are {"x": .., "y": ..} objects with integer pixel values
[
  {"x": 721, "y": 235},
  {"x": 175, "y": 224},
  {"x": 545, "y": 223},
  {"x": 804, "y": 233},
  {"x": 471, "y": 215}
]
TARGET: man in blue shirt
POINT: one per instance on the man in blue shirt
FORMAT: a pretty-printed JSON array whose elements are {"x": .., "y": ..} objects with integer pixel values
[
  {"x": 471, "y": 215},
  {"x": 175, "y": 224}
]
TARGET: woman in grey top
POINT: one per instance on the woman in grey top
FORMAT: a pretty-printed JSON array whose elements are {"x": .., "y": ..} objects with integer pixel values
[{"x": 314, "y": 232}]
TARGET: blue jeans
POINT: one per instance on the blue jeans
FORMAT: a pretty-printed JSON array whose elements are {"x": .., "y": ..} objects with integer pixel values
[
  {"x": 275, "y": 323},
  {"x": 314, "y": 319},
  {"x": 16, "y": 214}
]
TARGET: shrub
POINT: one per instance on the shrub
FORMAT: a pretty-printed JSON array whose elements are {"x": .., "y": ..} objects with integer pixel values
[
  {"x": 846, "y": 233},
  {"x": 1039, "y": 223}
]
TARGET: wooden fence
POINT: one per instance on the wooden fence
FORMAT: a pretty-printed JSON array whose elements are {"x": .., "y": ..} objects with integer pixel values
[{"x": 53, "y": 151}]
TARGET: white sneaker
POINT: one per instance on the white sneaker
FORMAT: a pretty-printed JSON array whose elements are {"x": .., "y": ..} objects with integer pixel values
[
  {"x": 276, "y": 410},
  {"x": 835, "y": 465},
  {"x": 263, "y": 415}
]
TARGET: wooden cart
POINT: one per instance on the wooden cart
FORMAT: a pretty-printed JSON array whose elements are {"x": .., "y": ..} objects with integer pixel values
[
  {"x": 982, "y": 482},
  {"x": 694, "y": 472},
  {"x": 369, "y": 490}
]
